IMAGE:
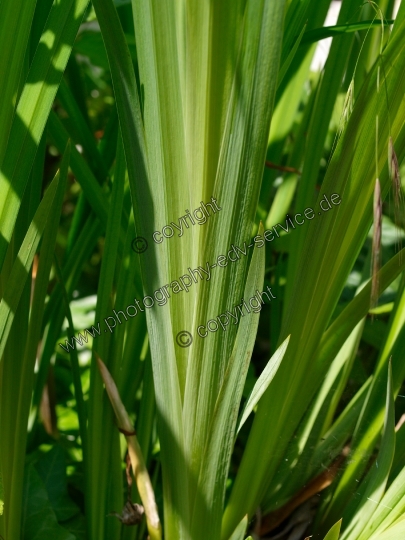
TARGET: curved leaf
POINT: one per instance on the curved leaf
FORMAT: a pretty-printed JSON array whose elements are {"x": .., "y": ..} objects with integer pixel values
[{"x": 263, "y": 381}]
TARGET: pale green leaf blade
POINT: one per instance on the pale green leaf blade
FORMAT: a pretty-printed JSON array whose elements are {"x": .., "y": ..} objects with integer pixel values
[
  {"x": 148, "y": 194},
  {"x": 391, "y": 508},
  {"x": 216, "y": 459},
  {"x": 395, "y": 532},
  {"x": 333, "y": 534},
  {"x": 240, "y": 530},
  {"x": 263, "y": 381},
  {"x": 373, "y": 485},
  {"x": 237, "y": 184}
]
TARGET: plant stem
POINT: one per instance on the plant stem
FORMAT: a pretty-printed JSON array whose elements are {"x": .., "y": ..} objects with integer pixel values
[{"x": 141, "y": 474}]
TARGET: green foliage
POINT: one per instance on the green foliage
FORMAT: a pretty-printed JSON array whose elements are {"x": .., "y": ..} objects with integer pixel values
[
  {"x": 119, "y": 118},
  {"x": 333, "y": 534},
  {"x": 38, "y": 516}
]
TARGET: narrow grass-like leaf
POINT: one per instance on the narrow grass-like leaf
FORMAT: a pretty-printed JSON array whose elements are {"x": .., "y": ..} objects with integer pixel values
[
  {"x": 339, "y": 330},
  {"x": 299, "y": 13},
  {"x": 45, "y": 264},
  {"x": 340, "y": 432},
  {"x": 329, "y": 86},
  {"x": 143, "y": 190},
  {"x": 330, "y": 31},
  {"x": 216, "y": 458},
  {"x": 81, "y": 407},
  {"x": 15, "y": 23},
  {"x": 370, "y": 421},
  {"x": 55, "y": 309},
  {"x": 239, "y": 168},
  {"x": 331, "y": 248},
  {"x": 82, "y": 129},
  {"x": 333, "y": 534},
  {"x": 84, "y": 175},
  {"x": 20, "y": 271},
  {"x": 239, "y": 532},
  {"x": 391, "y": 508},
  {"x": 289, "y": 59},
  {"x": 263, "y": 381},
  {"x": 294, "y": 471},
  {"x": 376, "y": 247},
  {"x": 19, "y": 379},
  {"x": 101, "y": 428},
  {"x": 374, "y": 484},
  {"x": 33, "y": 109},
  {"x": 395, "y": 532}
]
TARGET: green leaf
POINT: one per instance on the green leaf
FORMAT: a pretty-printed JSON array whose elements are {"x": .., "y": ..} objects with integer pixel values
[
  {"x": 76, "y": 526},
  {"x": 263, "y": 381},
  {"x": 39, "y": 519},
  {"x": 19, "y": 379},
  {"x": 334, "y": 440},
  {"x": 239, "y": 532},
  {"x": 395, "y": 532},
  {"x": 290, "y": 57},
  {"x": 216, "y": 459},
  {"x": 51, "y": 467},
  {"x": 373, "y": 486},
  {"x": 100, "y": 429},
  {"x": 330, "y": 31},
  {"x": 340, "y": 329},
  {"x": 94, "y": 194},
  {"x": 332, "y": 245},
  {"x": 333, "y": 534},
  {"x": 33, "y": 108},
  {"x": 80, "y": 130},
  {"x": 239, "y": 170},
  {"x": 90, "y": 44},
  {"x": 297, "y": 469},
  {"x": 390, "y": 509},
  {"x": 21, "y": 267},
  {"x": 371, "y": 419},
  {"x": 1, "y": 495},
  {"x": 325, "y": 100},
  {"x": 15, "y": 21}
]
